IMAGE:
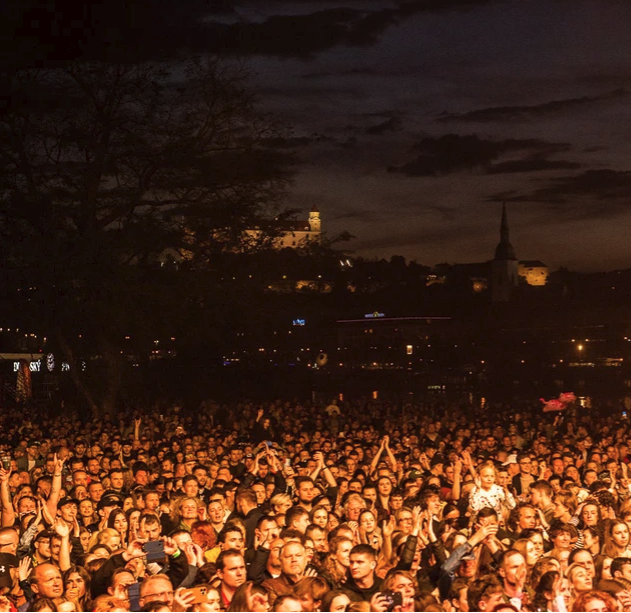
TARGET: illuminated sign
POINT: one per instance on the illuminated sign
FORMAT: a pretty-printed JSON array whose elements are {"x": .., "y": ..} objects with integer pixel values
[
  {"x": 374, "y": 315},
  {"x": 299, "y": 322},
  {"x": 33, "y": 366}
]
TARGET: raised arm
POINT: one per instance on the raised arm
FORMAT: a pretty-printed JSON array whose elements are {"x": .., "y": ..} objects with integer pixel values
[
  {"x": 55, "y": 490},
  {"x": 375, "y": 460},
  {"x": 391, "y": 458},
  {"x": 455, "y": 490},
  {"x": 466, "y": 456},
  {"x": 8, "y": 514},
  {"x": 326, "y": 471},
  {"x": 63, "y": 530}
]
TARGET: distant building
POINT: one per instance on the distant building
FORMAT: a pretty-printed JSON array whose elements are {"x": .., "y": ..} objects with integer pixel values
[
  {"x": 533, "y": 272},
  {"x": 504, "y": 266},
  {"x": 295, "y": 233},
  {"x": 503, "y": 274}
]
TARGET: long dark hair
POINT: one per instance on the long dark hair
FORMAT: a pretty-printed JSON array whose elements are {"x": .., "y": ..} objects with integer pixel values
[{"x": 545, "y": 586}]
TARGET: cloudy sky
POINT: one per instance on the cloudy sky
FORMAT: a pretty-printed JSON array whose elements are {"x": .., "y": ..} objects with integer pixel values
[{"x": 415, "y": 119}]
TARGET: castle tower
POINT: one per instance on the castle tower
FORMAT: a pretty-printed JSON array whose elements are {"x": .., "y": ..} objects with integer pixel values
[
  {"x": 314, "y": 220},
  {"x": 504, "y": 266}
]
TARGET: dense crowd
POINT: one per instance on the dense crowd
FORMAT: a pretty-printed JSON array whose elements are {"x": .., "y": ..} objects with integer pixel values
[{"x": 315, "y": 507}]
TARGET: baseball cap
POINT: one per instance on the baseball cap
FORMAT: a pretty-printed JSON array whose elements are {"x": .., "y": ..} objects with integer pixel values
[
  {"x": 415, "y": 474},
  {"x": 437, "y": 459},
  {"x": 44, "y": 534},
  {"x": 67, "y": 500},
  {"x": 511, "y": 459},
  {"x": 109, "y": 501},
  {"x": 7, "y": 562}
]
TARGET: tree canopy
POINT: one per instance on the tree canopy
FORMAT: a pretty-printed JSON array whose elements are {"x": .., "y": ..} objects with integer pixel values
[{"x": 105, "y": 165}]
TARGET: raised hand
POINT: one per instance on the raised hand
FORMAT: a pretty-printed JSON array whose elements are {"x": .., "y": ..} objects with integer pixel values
[
  {"x": 59, "y": 465},
  {"x": 483, "y": 533},
  {"x": 62, "y": 529},
  {"x": 24, "y": 568},
  {"x": 191, "y": 554},
  {"x": 182, "y": 600},
  {"x": 135, "y": 549},
  {"x": 388, "y": 527},
  {"x": 379, "y": 603},
  {"x": 170, "y": 546},
  {"x": 458, "y": 466}
]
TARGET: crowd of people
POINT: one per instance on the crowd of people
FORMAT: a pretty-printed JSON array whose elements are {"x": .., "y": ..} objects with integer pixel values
[{"x": 316, "y": 507}]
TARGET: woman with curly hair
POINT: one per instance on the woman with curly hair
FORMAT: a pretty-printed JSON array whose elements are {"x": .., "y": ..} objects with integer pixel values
[
  {"x": 337, "y": 562},
  {"x": 593, "y": 601},
  {"x": 186, "y": 512},
  {"x": 203, "y": 534}
]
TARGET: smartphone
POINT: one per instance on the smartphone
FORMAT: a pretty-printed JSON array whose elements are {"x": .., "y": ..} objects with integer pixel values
[
  {"x": 287, "y": 463},
  {"x": 393, "y": 599},
  {"x": 200, "y": 593},
  {"x": 268, "y": 444},
  {"x": 133, "y": 591},
  {"x": 154, "y": 551}
]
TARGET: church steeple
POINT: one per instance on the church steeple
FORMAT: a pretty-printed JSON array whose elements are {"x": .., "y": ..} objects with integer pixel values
[{"x": 504, "y": 249}]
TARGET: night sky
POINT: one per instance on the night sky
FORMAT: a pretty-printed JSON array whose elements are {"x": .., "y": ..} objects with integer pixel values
[{"x": 413, "y": 120}]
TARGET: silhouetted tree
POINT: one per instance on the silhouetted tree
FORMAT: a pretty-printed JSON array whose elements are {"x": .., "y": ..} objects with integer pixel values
[{"x": 105, "y": 165}]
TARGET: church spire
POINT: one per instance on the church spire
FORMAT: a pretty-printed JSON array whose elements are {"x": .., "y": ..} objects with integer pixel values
[{"x": 504, "y": 249}]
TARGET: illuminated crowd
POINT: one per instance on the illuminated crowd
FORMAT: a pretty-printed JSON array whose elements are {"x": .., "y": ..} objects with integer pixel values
[{"x": 326, "y": 506}]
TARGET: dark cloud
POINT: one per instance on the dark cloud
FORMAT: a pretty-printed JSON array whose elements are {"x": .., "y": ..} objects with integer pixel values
[
  {"x": 303, "y": 36},
  {"x": 509, "y": 113},
  {"x": 390, "y": 125},
  {"x": 295, "y": 142},
  {"x": 593, "y": 193},
  {"x": 454, "y": 153},
  {"x": 531, "y": 164},
  {"x": 353, "y": 72}
]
